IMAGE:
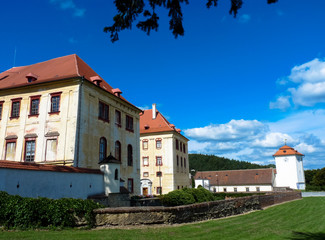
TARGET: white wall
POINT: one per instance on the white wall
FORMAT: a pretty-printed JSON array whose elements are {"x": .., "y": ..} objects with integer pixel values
[
  {"x": 290, "y": 172},
  {"x": 29, "y": 183},
  {"x": 263, "y": 188}
]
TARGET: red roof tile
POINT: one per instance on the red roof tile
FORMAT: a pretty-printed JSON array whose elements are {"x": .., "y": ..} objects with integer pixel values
[
  {"x": 159, "y": 124},
  {"x": 45, "y": 167},
  {"x": 70, "y": 66},
  {"x": 238, "y": 177},
  {"x": 286, "y": 150}
]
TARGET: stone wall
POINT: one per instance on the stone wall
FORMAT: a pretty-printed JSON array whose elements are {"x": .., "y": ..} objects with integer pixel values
[{"x": 189, "y": 213}]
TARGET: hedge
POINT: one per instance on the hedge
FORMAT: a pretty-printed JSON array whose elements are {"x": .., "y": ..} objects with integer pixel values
[{"x": 22, "y": 212}]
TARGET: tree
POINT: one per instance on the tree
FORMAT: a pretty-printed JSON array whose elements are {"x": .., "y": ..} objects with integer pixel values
[
  {"x": 319, "y": 178},
  {"x": 130, "y": 10}
]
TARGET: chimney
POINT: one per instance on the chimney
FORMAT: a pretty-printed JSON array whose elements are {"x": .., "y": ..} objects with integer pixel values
[{"x": 154, "y": 111}]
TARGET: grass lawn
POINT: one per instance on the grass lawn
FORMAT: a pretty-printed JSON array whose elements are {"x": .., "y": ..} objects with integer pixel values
[{"x": 278, "y": 222}]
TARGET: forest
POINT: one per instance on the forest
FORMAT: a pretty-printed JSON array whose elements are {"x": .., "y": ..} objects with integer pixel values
[{"x": 202, "y": 162}]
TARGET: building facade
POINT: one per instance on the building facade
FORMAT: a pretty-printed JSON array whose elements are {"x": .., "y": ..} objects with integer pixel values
[
  {"x": 164, "y": 155},
  {"x": 290, "y": 169},
  {"x": 62, "y": 112},
  {"x": 246, "y": 180}
]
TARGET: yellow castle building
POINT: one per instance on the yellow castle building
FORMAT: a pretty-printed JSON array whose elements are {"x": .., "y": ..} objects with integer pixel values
[
  {"x": 164, "y": 155},
  {"x": 62, "y": 112}
]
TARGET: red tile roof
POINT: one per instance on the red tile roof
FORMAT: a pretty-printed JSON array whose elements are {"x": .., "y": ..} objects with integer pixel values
[
  {"x": 286, "y": 150},
  {"x": 238, "y": 177},
  {"x": 60, "y": 68},
  {"x": 159, "y": 124},
  {"x": 45, "y": 167}
]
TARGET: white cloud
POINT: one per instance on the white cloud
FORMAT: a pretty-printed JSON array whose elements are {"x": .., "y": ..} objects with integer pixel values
[
  {"x": 234, "y": 130},
  {"x": 308, "y": 94},
  {"x": 312, "y": 71},
  {"x": 272, "y": 140},
  {"x": 309, "y": 89},
  {"x": 69, "y": 5},
  {"x": 281, "y": 103},
  {"x": 244, "y": 18},
  {"x": 144, "y": 107},
  {"x": 254, "y": 141}
]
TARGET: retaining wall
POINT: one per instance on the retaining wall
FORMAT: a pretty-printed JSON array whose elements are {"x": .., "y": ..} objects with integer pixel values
[{"x": 189, "y": 213}]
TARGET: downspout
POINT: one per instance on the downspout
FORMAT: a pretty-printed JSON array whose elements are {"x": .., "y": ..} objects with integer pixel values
[{"x": 78, "y": 124}]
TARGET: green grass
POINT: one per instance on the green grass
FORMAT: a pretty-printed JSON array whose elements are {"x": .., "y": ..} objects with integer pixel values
[{"x": 277, "y": 222}]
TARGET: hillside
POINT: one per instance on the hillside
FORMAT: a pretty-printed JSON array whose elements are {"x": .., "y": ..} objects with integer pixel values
[{"x": 201, "y": 162}]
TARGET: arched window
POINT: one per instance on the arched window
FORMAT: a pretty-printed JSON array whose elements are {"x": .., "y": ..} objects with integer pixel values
[
  {"x": 130, "y": 155},
  {"x": 118, "y": 150},
  {"x": 102, "y": 148},
  {"x": 116, "y": 174}
]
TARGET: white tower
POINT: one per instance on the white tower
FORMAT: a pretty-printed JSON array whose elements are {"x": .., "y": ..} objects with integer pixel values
[{"x": 289, "y": 168}]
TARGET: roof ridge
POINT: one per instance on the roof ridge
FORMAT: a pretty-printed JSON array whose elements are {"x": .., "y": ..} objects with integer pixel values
[{"x": 76, "y": 64}]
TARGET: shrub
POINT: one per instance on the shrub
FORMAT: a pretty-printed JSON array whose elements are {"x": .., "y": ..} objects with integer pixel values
[
  {"x": 200, "y": 194},
  {"x": 20, "y": 212},
  {"x": 177, "y": 198}
]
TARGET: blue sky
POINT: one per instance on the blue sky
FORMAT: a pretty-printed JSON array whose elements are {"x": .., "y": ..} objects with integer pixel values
[{"x": 237, "y": 87}]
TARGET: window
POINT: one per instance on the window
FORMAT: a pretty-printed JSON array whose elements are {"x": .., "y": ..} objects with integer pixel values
[
  {"x": 102, "y": 148},
  {"x": 30, "y": 151},
  {"x": 145, "y": 144},
  {"x": 10, "y": 150},
  {"x": 214, "y": 190},
  {"x": 15, "y": 107},
  {"x": 55, "y": 102},
  {"x": 118, "y": 118},
  {"x": 159, "y": 174},
  {"x": 257, "y": 189},
  {"x": 34, "y": 105},
  {"x": 145, "y": 174},
  {"x": 1, "y": 104},
  {"x": 247, "y": 189},
  {"x": 130, "y": 155},
  {"x": 130, "y": 185},
  {"x": 180, "y": 146},
  {"x": 51, "y": 149},
  {"x": 225, "y": 189},
  {"x": 129, "y": 123},
  {"x": 116, "y": 174},
  {"x": 181, "y": 161},
  {"x": 235, "y": 189},
  {"x": 158, "y": 143},
  {"x": 177, "y": 146},
  {"x": 184, "y": 162},
  {"x": 103, "y": 111},
  {"x": 184, "y": 148},
  {"x": 159, "y": 190},
  {"x": 145, "y": 161},
  {"x": 118, "y": 150},
  {"x": 159, "y": 161},
  {"x": 177, "y": 160}
]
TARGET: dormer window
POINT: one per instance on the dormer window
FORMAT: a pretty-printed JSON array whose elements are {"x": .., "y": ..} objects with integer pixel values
[
  {"x": 96, "y": 79},
  {"x": 117, "y": 92},
  {"x": 31, "y": 77}
]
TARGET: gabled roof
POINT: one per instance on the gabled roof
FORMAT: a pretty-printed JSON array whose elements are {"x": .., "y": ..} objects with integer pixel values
[
  {"x": 70, "y": 66},
  {"x": 238, "y": 177},
  {"x": 45, "y": 167},
  {"x": 286, "y": 150},
  {"x": 159, "y": 124}
]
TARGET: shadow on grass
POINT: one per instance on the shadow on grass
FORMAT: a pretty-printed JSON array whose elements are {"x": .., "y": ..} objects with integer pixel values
[{"x": 307, "y": 236}]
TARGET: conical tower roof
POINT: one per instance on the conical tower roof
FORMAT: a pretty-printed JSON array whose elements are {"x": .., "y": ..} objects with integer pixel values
[{"x": 286, "y": 150}]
